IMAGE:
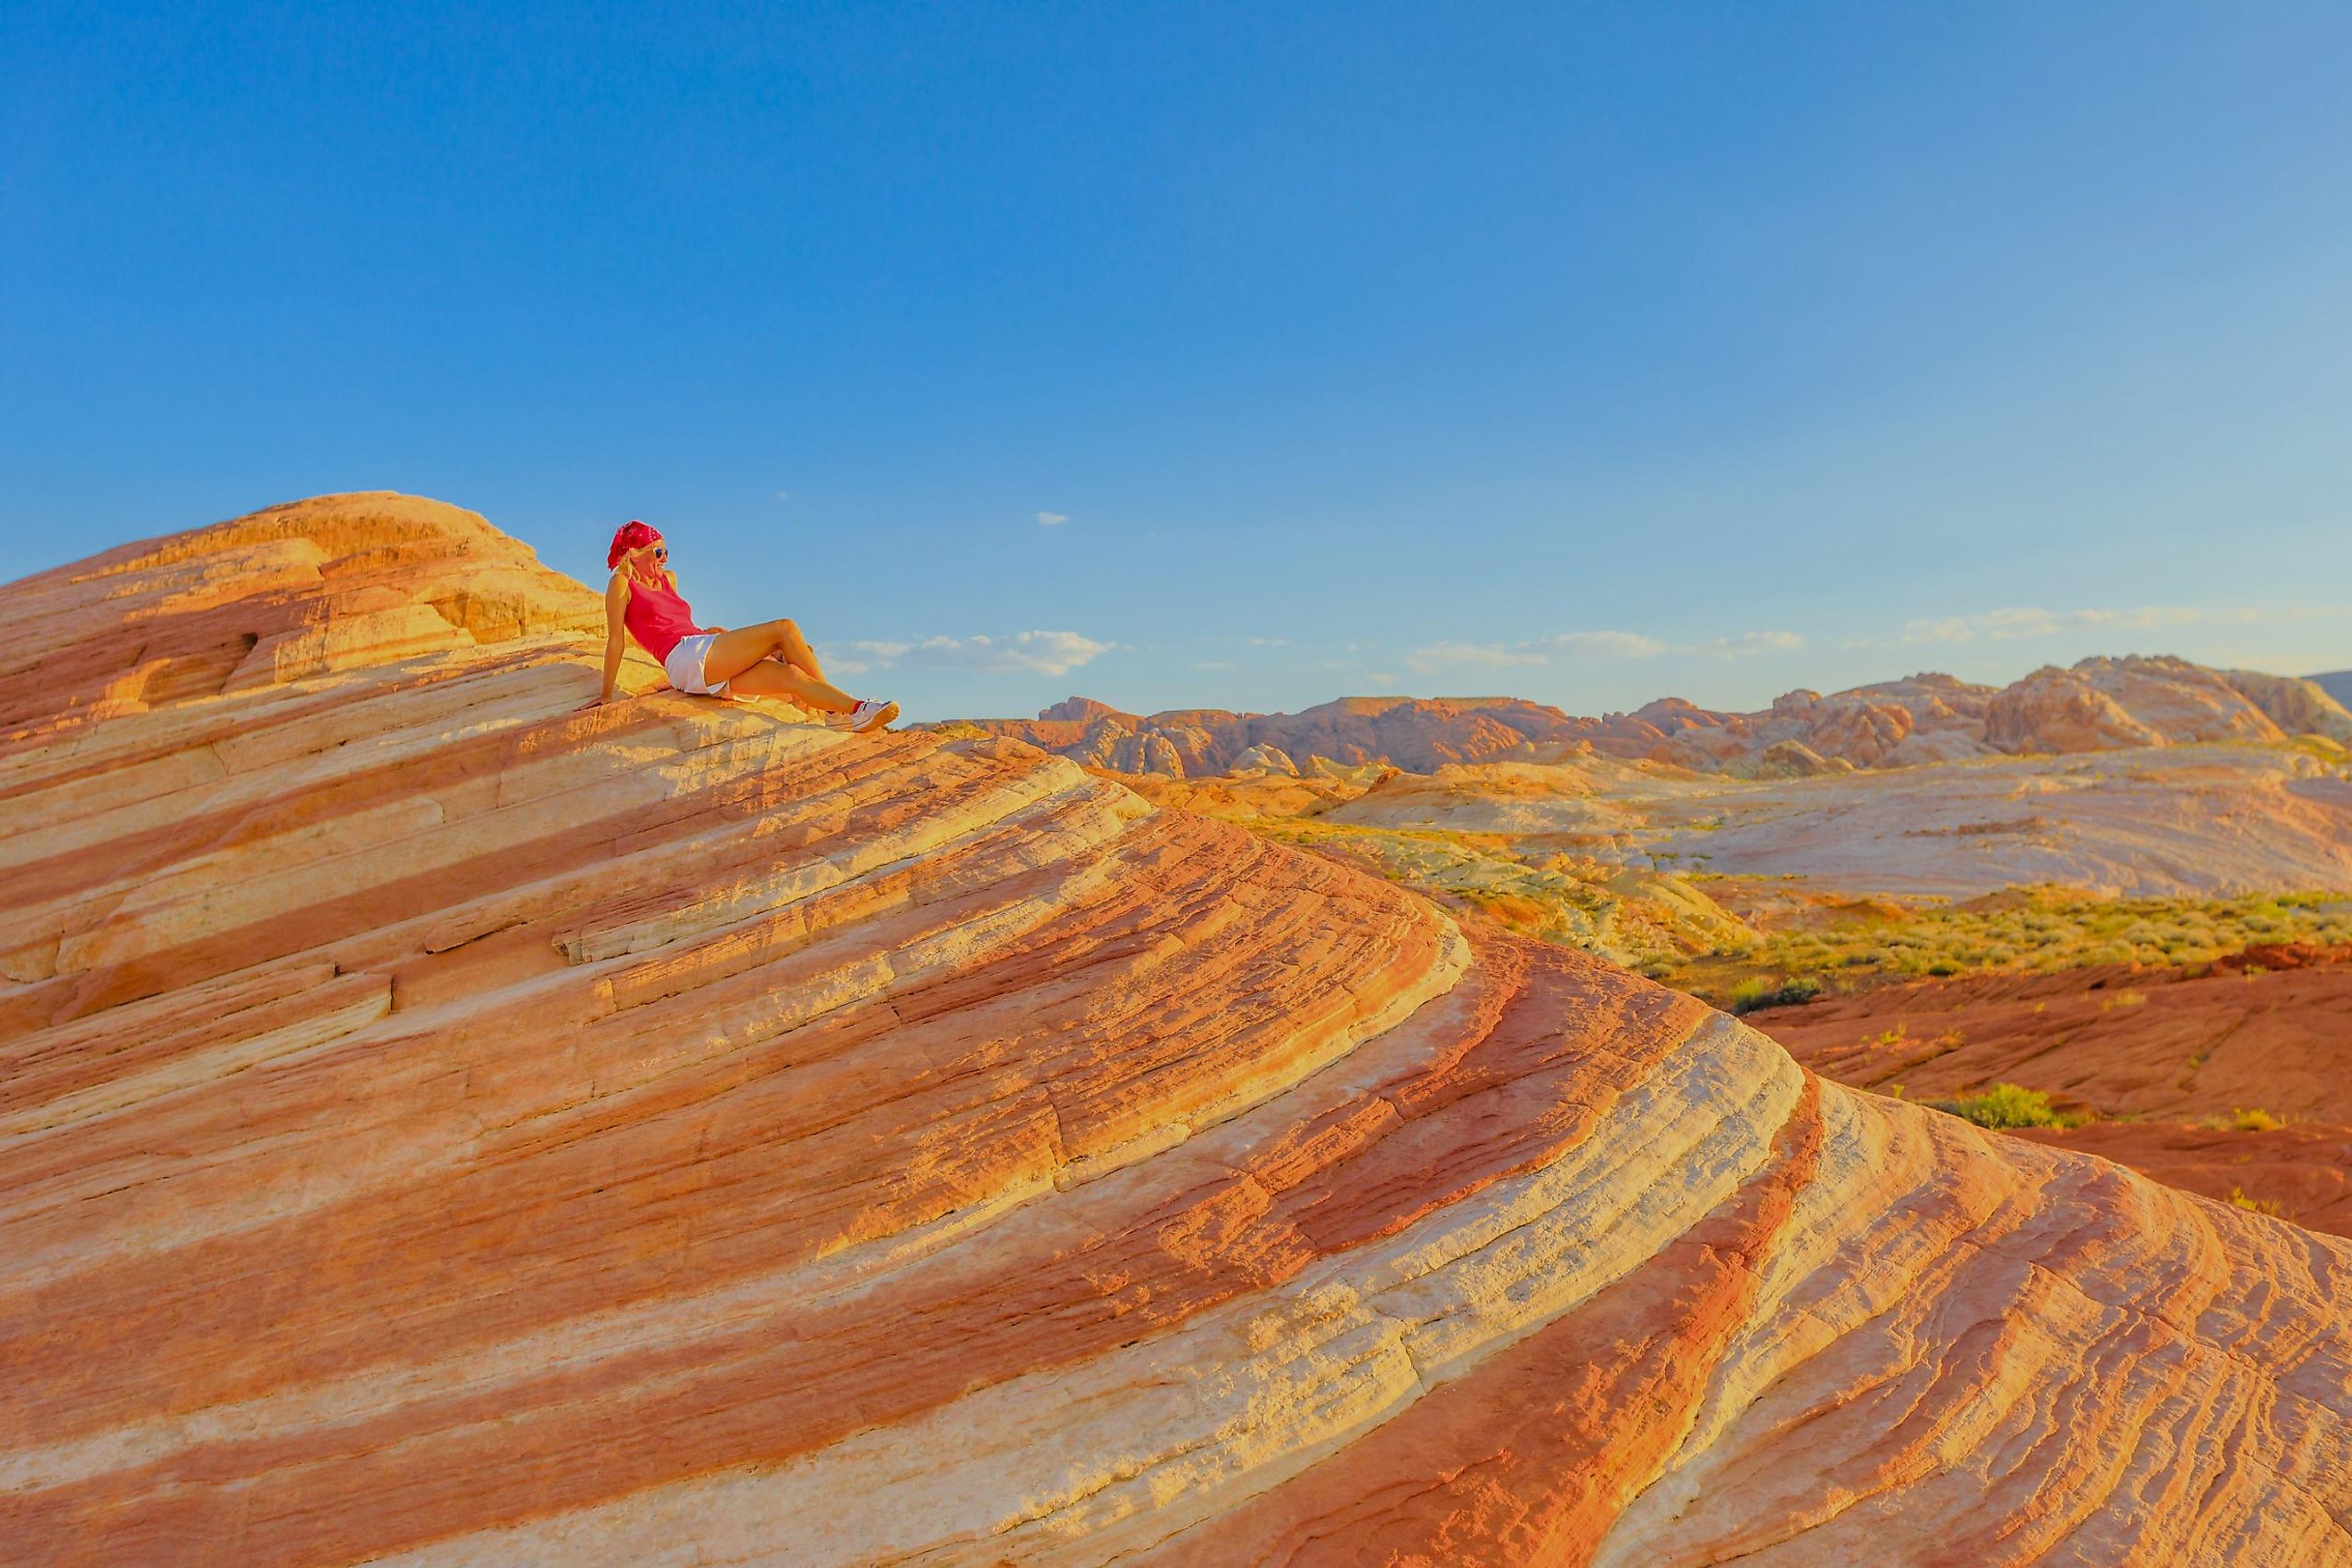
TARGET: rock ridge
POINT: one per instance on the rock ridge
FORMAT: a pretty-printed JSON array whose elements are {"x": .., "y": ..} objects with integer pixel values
[
  {"x": 439, "y": 1125},
  {"x": 2097, "y": 704}
]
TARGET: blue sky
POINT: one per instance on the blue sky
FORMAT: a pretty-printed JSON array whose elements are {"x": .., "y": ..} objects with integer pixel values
[{"x": 1234, "y": 355}]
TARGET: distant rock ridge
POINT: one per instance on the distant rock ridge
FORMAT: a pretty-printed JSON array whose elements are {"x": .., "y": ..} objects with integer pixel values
[
  {"x": 2095, "y": 705},
  {"x": 443, "y": 1125}
]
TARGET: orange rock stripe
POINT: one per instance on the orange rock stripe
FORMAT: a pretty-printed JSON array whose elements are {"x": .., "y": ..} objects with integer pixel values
[
  {"x": 809, "y": 1156},
  {"x": 505, "y": 1061},
  {"x": 509, "y": 862},
  {"x": 754, "y": 1398},
  {"x": 1529, "y": 1458}
]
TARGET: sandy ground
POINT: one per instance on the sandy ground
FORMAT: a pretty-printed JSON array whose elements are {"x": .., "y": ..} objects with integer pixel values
[
  {"x": 2301, "y": 1172},
  {"x": 2164, "y": 1058},
  {"x": 2120, "y": 1042}
]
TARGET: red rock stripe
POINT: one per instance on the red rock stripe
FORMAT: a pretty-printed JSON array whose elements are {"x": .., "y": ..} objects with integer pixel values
[
  {"x": 1527, "y": 1460},
  {"x": 495, "y": 1065},
  {"x": 1110, "y": 1268},
  {"x": 782, "y": 1177},
  {"x": 334, "y": 918}
]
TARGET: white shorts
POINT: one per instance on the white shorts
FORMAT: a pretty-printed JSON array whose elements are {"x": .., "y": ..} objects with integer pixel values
[{"x": 684, "y": 666}]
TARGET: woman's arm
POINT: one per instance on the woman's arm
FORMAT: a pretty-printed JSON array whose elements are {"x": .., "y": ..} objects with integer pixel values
[{"x": 616, "y": 632}]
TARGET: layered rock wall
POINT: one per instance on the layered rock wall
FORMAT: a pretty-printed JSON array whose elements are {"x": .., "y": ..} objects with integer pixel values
[{"x": 441, "y": 1126}]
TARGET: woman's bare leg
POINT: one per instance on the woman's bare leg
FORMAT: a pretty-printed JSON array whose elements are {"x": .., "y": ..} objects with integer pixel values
[
  {"x": 769, "y": 678},
  {"x": 733, "y": 652}
]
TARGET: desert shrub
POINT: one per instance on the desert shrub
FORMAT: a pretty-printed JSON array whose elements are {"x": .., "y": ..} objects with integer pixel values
[
  {"x": 2257, "y": 1205},
  {"x": 2255, "y": 1120},
  {"x": 2057, "y": 930},
  {"x": 1754, "y": 995},
  {"x": 2005, "y": 1105}
]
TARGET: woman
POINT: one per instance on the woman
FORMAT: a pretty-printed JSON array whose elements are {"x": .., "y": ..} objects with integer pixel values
[{"x": 770, "y": 660}]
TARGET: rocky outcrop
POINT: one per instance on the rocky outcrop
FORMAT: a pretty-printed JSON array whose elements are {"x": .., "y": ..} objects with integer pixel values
[
  {"x": 2052, "y": 711},
  {"x": 294, "y": 591},
  {"x": 439, "y": 1125},
  {"x": 1263, "y": 758},
  {"x": 2296, "y": 707},
  {"x": 1796, "y": 760},
  {"x": 2100, "y": 704},
  {"x": 1402, "y": 732}
]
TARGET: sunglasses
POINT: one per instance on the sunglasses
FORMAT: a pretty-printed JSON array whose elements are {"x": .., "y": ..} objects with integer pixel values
[{"x": 661, "y": 551}]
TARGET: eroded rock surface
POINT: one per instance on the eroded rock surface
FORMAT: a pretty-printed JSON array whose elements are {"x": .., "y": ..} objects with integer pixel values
[{"x": 441, "y": 1126}]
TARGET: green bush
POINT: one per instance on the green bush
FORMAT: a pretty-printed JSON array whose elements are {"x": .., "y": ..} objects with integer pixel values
[
  {"x": 2005, "y": 1105},
  {"x": 1755, "y": 994}
]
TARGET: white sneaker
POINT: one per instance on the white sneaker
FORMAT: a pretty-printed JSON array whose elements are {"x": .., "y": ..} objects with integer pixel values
[{"x": 870, "y": 714}]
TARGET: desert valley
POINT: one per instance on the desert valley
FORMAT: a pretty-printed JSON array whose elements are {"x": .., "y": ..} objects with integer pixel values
[
  {"x": 443, "y": 1125},
  {"x": 2123, "y": 887}
]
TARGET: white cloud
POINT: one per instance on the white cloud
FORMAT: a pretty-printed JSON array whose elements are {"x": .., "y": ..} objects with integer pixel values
[
  {"x": 1268, "y": 642},
  {"x": 1475, "y": 656},
  {"x": 1607, "y": 645},
  {"x": 1028, "y": 653},
  {"x": 864, "y": 656},
  {"x": 1999, "y": 626},
  {"x": 783, "y": 495},
  {"x": 1052, "y": 519},
  {"x": 1382, "y": 678},
  {"x": 1442, "y": 656},
  {"x": 1746, "y": 644}
]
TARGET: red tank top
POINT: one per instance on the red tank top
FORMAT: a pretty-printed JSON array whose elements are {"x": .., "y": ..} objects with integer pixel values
[{"x": 658, "y": 618}]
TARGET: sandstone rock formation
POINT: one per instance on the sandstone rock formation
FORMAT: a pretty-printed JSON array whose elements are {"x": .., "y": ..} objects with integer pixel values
[
  {"x": 2098, "y": 704},
  {"x": 2296, "y": 707},
  {"x": 1403, "y": 732},
  {"x": 1264, "y": 759},
  {"x": 441, "y": 1126},
  {"x": 2101, "y": 704},
  {"x": 260, "y": 601}
]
